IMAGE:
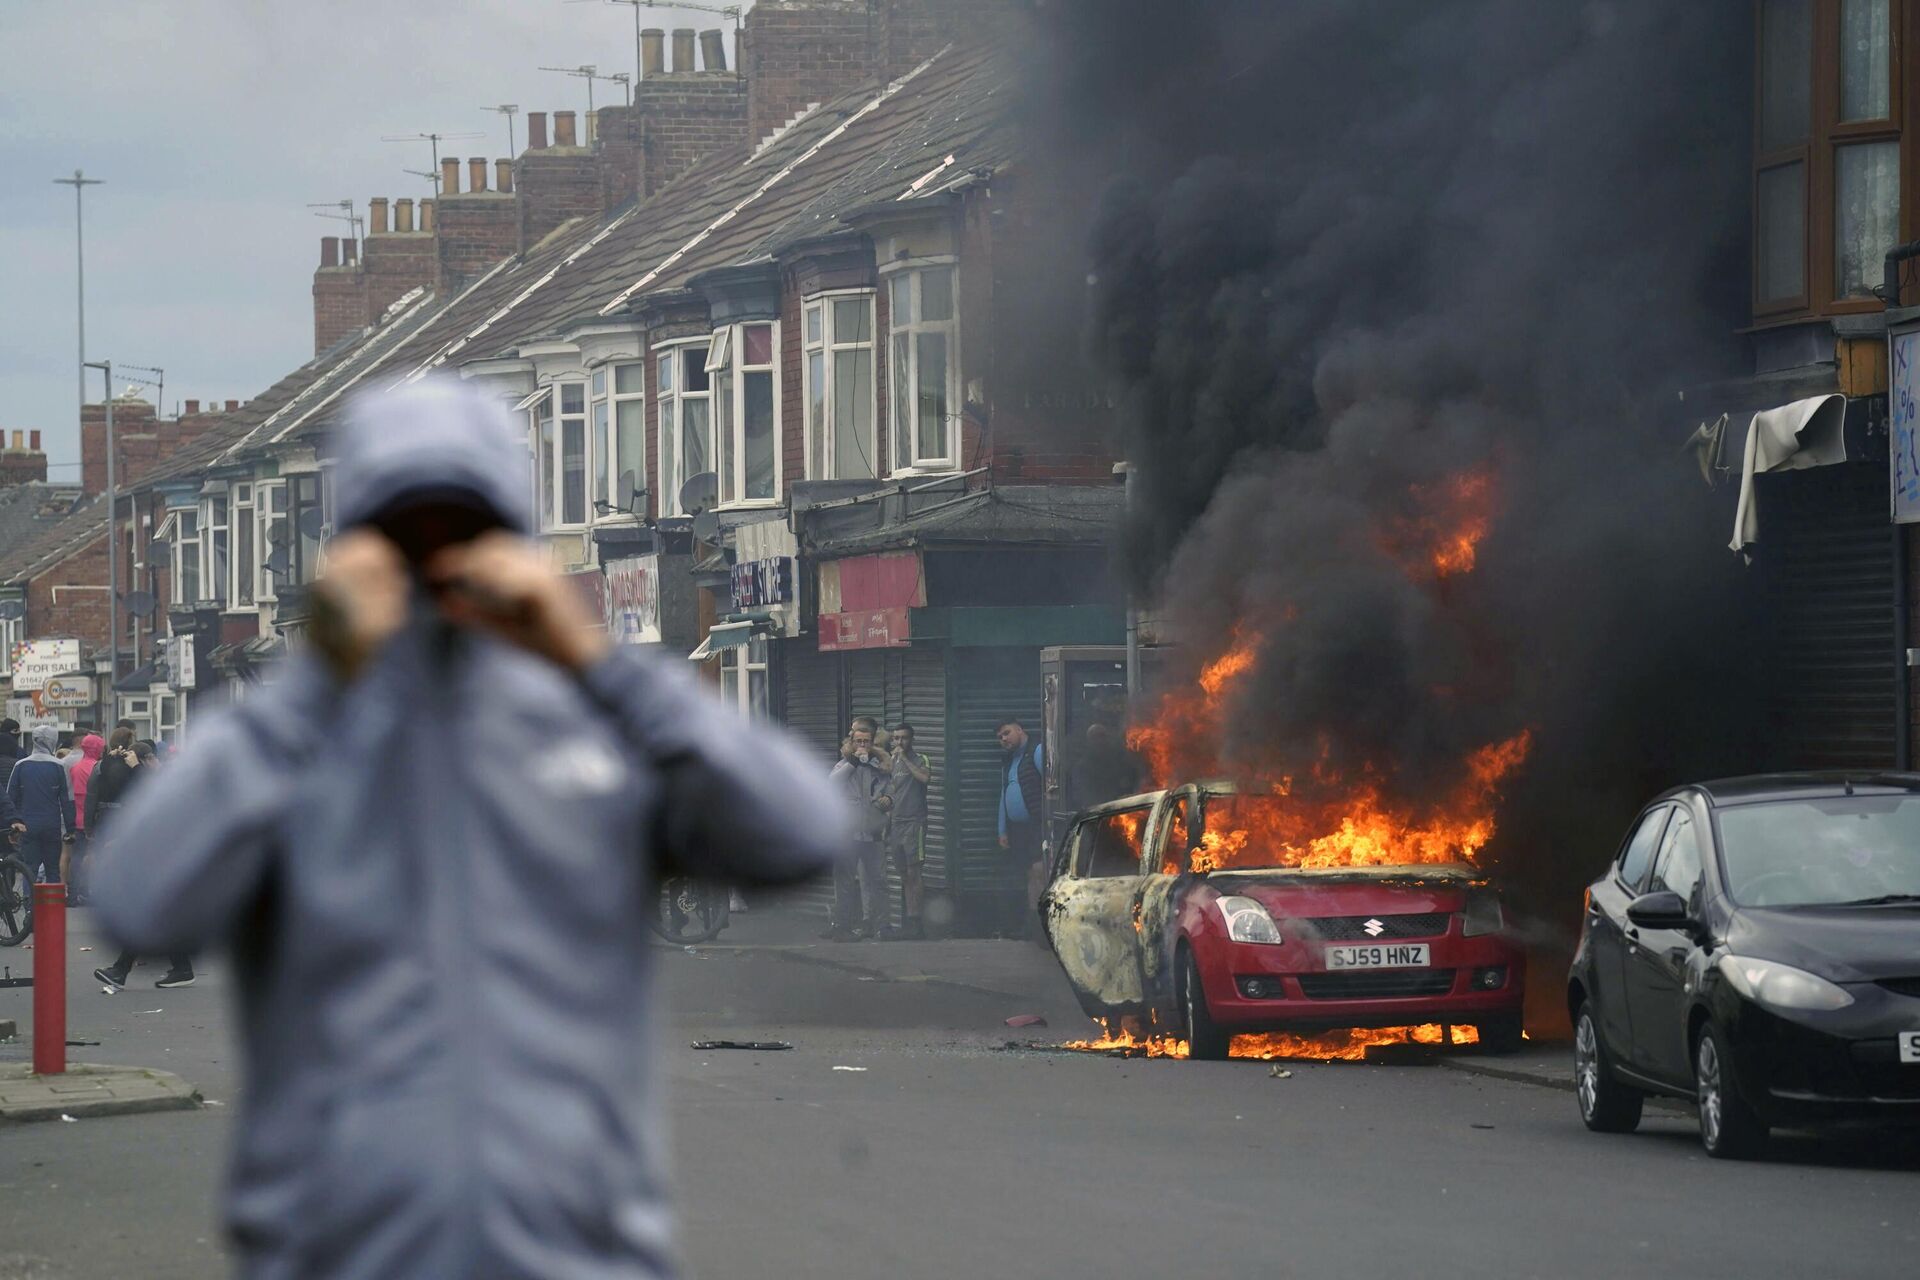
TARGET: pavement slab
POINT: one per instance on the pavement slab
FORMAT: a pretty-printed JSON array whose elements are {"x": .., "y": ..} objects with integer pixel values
[{"x": 87, "y": 1090}]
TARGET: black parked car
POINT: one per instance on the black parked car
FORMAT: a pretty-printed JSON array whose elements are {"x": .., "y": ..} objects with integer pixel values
[{"x": 1755, "y": 946}]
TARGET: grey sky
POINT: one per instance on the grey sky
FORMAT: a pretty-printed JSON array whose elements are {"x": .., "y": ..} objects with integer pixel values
[{"x": 215, "y": 123}]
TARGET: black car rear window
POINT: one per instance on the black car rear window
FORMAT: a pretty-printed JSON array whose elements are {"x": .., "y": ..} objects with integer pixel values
[{"x": 1821, "y": 852}]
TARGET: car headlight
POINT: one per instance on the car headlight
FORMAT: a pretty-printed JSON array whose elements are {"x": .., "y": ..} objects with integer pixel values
[
  {"x": 1780, "y": 986},
  {"x": 1483, "y": 915},
  {"x": 1248, "y": 921}
]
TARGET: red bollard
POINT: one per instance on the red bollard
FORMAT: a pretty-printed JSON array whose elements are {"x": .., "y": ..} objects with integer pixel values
[{"x": 49, "y": 979}]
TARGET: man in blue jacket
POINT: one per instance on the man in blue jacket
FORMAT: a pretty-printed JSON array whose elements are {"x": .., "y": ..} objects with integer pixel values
[
  {"x": 442, "y": 943},
  {"x": 40, "y": 793}
]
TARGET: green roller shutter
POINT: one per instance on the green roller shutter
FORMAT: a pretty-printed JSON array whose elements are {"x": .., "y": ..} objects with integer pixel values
[
  {"x": 924, "y": 706},
  {"x": 986, "y": 687}
]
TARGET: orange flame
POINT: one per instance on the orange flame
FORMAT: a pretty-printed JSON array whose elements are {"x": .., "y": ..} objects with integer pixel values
[
  {"x": 1344, "y": 1046},
  {"x": 1449, "y": 520}
]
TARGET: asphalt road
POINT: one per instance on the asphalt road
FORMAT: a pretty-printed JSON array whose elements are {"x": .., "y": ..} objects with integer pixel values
[{"x": 951, "y": 1155}]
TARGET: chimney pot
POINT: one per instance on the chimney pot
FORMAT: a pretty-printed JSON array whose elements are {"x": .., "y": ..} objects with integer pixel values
[
  {"x": 653, "y": 52},
  {"x": 536, "y": 131},
  {"x": 329, "y": 251},
  {"x": 33, "y": 441},
  {"x": 563, "y": 128},
  {"x": 683, "y": 49},
  {"x": 349, "y": 251},
  {"x": 19, "y": 440},
  {"x": 503, "y": 176},
  {"x": 403, "y": 214},
  {"x": 713, "y": 49},
  {"x": 449, "y": 176},
  {"x": 377, "y": 216},
  {"x": 232, "y": 405},
  {"x": 426, "y": 215},
  {"x": 477, "y": 174},
  {"x": 193, "y": 407}
]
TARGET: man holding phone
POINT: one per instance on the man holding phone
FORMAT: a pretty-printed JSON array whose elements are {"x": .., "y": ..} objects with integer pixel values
[{"x": 860, "y": 878}]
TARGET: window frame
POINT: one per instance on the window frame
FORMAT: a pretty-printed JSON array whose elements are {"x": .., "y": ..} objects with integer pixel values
[
  {"x": 215, "y": 534},
  {"x": 747, "y": 660},
  {"x": 1083, "y": 868},
  {"x": 270, "y": 505},
  {"x": 182, "y": 556},
  {"x": 1661, "y": 815},
  {"x": 1819, "y": 154},
  {"x": 727, "y": 383},
  {"x": 915, "y": 272},
  {"x": 667, "y": 416},
  {"x": 298, "y": 501},
  {"x": 1657, "y": 869},
  {"x": 827, "y": 347},
  {"x": 617, "y": 456},
  {"x": 241, "y": 553}
]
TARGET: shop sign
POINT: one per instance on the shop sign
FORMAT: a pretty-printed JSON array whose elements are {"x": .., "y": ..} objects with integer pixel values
[
  {"x": 865, "y": 629},
  {"x": 180, "y": 662},
  {"x": 633, "y": 600},
  {"x": 38, "y": 661},
  {"x": 1903, "y": 431},
  {"x": 761, "y": 584},
  {"x": 68, "y": 691},
  {"x": 28, "y": 713},
  {"x": 763, "y": 576}
]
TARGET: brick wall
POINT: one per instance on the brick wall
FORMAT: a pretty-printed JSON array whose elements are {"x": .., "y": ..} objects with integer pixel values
[
  {"x": 70, "y": 599},
  {"x": 553, "y": 184},
  {"x": 21, "y": 462},
  {"x": 473, "y": 231},
  {"x": 686, "y": 117},
  {"x": 339, "y": 304},
  {"x": 396, "y": 263},
  {"x": 142, "y": 440},
  {"x": 622, "y": 151},
  {"x": 908, "y": 32},
  {"x": 799, "y": 52},
  {"x": 793, "y": 389}
]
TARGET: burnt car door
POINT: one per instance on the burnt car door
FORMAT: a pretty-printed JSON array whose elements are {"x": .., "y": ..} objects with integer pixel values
[
  {"x": 1164, "y": 880},
  {"x": 1088, "y": 909},
  {"x": 1607, "y": 900},
  {"x": 1657, "y": 962}
]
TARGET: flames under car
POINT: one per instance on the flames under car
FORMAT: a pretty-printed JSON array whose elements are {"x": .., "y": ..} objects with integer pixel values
[{"x": 1159, "y": 910}]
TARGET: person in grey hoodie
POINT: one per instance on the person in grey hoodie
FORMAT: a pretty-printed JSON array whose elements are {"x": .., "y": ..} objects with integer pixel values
[
  {"x": 40, "y": 791},
  {"x": 442, "y": 956}
]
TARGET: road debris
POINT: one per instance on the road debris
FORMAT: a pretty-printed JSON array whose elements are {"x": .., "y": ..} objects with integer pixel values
[
  {"x": 1278, "y": 1072},
  {"x": 67, "y": 1119},
  {"x": 1026, "y": 1020},
  {"x": 753, "y": 1046},
  {"x": 849, "y": 1068}
]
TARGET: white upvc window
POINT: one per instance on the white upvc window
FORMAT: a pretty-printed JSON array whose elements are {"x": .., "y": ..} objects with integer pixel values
[
  {"x": 274, "y": 560},
  {"x": 619, "y": 432},
  {"x": 242, "y": 584},
  {"x": 13, "y": 634},
  {"x": 214, "y": 547},
  {"x": 923, "y": 370},
  {"x": 841, "y": 385},
  {"x": 186, "y": 556},
  {"x": 743, "y": 363},
  {"x": 743, "y": 678},
  {"x": 684, "y": 397}
]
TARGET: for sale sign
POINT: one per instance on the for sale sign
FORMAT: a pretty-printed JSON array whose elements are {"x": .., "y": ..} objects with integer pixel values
[{"x": 38, "y": 661}]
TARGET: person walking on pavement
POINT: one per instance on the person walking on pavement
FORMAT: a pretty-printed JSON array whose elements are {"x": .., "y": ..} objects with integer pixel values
[
  {"x": 74, "y": 864},
  {"x": 445, "y": 989},
  {"x": 40, "y": 791},
  {"x": 860, "y": 875},
  {"x": 112, "y": 785},
  {"x": 1020, "y": 793},
  {"x": 907, "y": 829}
]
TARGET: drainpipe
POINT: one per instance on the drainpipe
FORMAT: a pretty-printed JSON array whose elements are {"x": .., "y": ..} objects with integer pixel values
[{"x": 1890, "y": 271}]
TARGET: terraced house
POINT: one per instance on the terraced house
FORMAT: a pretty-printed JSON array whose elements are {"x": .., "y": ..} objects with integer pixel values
[{"x": 790, "y": 410}]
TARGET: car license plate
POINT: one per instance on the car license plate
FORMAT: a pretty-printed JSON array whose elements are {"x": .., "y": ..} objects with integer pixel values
[
  {"x": 1380, "y": 955},
  {"x": 1910, "y": 1047}
]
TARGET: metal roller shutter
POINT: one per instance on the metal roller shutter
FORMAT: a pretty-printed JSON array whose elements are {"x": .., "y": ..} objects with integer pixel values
[
  {"x": 987, "y": 687},
  {"x": 815, "y": 710},
  {"x": 1827, "y": 564},
  {"x": 924, "y": 706}
]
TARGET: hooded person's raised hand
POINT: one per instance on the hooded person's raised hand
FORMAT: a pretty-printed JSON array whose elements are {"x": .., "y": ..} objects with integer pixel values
[
  {"x": 503, "y": 584},
  {"x": 360, "y": 602}
]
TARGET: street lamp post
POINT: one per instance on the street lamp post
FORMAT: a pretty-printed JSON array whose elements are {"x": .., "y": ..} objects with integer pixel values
[
  {"x": 113, "y": 530},
  {"x": 80, "y": 182}
]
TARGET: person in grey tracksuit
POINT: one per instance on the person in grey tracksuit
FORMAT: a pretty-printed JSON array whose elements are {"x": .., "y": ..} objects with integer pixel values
[{"x": 442, "y": 954}]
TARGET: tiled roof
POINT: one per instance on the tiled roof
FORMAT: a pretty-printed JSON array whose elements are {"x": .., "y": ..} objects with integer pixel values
[
  {"x": 63, "y": 537},
  {"x": 29, "y": 510}
]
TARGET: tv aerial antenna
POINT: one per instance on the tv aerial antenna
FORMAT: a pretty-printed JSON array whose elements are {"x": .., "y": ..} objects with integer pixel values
[
  {"x": 589, "y": 72},
  {"x": 157, "y": 379},
  {"x": 434, "y": 140},
  {"x": 343, "y": 212},
  {"x": 433, "y": 177},
  {"x": 638, "y": 6},
  {"x": 509, "y": 110}
]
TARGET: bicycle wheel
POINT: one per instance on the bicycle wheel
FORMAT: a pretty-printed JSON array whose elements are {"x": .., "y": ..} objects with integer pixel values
[
  {"x": 16, "y": 902},
  {"x": 689, "y": 911}
]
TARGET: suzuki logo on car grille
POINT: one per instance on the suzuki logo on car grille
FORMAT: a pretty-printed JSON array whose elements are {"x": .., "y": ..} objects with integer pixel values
[{"x": 1374, "y": 928}]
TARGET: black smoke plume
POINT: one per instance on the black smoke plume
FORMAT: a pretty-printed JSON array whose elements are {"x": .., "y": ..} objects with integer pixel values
[{"x": 1347, "y": 254}]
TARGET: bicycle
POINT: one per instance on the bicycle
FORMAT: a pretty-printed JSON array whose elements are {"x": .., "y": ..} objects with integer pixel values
[
  {"x": 16, "y": 900},
  {"x": 687, "y": 910}
]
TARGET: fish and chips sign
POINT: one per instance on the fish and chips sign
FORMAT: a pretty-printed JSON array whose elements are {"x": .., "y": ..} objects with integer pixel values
[{"x": 37, "y": 661}]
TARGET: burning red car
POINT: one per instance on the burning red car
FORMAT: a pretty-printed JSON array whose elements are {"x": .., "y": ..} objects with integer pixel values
[{"x": 1188, "y": 910}]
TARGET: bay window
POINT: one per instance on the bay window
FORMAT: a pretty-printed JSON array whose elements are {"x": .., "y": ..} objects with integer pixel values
[
  {"x": 1826, "y": 187},
  {"x": 923, "y": 370},
  {"x": 840, "y": 388},
  {"x": 214, "y": 547},
  {"x": 743, "y": 678},
  {"x": 245, "y": 565},
  {"x": 629, "y": 432},
  {"x": 186, "y": 556},
  {"x": 305, "y": 522},
  {"x": 746, "y": 413},
  {"x": 276, "y": 564},
  {"x": 562, "y": 454},
  {"x": 685, "y": 398}
]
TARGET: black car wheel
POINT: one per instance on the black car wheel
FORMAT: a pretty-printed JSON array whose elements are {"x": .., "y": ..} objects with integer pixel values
[
  {"x": 1606, "y": 1105},
  {"x": 1204, "y": 1039},
  {"x": 1729, "y": 1128},
  {"x": 1502, "y": 1034}
]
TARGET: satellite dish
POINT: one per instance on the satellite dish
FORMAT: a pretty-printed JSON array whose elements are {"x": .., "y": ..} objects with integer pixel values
[
  {"x": 12, "y": 610},
  {"x": 139, "y": 603},
  {"x": 312, "y": 522},
  {"x": 706, "y": 527},
  {"x": 279, "y": 562},
  {"x": 700, "y": 493},
  {"x": 159, "y": 549},
  {"x": 623, "y": 491},
  {"x": 277, "y": 533}
]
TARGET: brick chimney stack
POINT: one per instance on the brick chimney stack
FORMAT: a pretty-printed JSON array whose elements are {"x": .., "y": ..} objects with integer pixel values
[
  {"x": 796, "y": 53},
  {"x": 476, "y": 228},
  {"x": 21, "y": 462}
]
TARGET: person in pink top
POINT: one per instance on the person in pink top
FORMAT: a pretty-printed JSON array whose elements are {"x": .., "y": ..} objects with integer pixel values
[{"x": 73, "y": 858}]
